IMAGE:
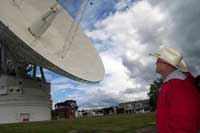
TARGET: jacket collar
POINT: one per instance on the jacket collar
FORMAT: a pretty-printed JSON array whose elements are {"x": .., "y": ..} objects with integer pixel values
[{"x": 175, "y": 75}]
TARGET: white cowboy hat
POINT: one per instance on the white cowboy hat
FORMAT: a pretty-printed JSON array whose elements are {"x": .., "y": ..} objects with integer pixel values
[
  {"x": 182, "y": 66},
  {"x": 173, "y": 57}
]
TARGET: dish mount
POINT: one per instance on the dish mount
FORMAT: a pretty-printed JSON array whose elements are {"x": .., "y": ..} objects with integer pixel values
[{"x": 35, "y": 34}]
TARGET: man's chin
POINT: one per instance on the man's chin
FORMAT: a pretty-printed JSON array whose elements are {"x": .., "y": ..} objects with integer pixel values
[
  {"x": 159, "y": 76},
  {"x": 157, "y": 71}
]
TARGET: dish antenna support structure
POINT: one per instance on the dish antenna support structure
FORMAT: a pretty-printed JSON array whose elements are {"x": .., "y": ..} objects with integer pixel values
[{"x": 32, "y": 36}]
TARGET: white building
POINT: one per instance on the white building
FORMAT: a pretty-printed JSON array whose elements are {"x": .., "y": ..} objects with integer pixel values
[
  {"x": 24, "y": 100},
  {"x": 135, "y": 106}
]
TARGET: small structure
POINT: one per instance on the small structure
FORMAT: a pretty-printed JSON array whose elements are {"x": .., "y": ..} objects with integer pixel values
[
  {"x": 135, "y": 106},
  {"x": 140, "y": 106},
  {"x": 65, "y": 110},
  {"x": 24, "y": 100},
  {"x": 110, "y": 110}
]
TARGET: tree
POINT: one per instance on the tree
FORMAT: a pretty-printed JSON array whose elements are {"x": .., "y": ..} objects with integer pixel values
[
  {"x": 153, "y": 93},
  {"x": 67, "y": 104}
]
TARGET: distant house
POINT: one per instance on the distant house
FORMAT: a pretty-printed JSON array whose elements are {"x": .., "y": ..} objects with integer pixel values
[
  {"x": 135, "y": 106},
  {"x": 64, "y": 110},
  {"x": 110, "y": 110},
  {"x": 140, "y": 106},
  {"x": 87, "y": 113}
]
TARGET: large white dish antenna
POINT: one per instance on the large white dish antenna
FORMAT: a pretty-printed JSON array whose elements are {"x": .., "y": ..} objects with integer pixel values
[{"x": 74, "y": 57}]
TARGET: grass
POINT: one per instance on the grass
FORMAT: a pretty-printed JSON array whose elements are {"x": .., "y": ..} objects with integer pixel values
[{"x": 99, "y": 124}]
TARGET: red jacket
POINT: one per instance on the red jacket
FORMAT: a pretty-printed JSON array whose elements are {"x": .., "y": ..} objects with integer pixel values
[{"x": 178, "y": 105}]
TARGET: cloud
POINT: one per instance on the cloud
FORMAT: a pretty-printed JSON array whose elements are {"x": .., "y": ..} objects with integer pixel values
[
  {"x": 130, "y": 37},
  {"x": 126, "y": 34},
  {"x": 183, "y": 30}
]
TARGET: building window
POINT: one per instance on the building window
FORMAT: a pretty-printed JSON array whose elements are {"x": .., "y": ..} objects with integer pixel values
[{"x": 24, "y": 117}]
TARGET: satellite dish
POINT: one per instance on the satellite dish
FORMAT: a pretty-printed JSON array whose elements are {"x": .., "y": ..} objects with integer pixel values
[{"x": 40, "y": 32}]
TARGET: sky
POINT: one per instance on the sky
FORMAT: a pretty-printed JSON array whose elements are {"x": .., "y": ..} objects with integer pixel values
[{"x": 124, "y": 32}]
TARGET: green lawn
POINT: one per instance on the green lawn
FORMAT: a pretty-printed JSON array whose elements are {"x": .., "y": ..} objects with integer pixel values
[{"x": 100, "y": 124}]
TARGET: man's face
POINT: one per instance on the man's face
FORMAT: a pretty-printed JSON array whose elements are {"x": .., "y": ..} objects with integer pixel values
[{"x": 161, "y": 66}]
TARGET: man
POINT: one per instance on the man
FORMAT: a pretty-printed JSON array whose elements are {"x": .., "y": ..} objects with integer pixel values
[{"x": 178, "y": 105}]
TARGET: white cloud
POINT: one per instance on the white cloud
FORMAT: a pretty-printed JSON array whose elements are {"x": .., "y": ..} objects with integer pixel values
[
  {"x": 128, "y": 36},
  {"x": 130, "y": 33}
]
